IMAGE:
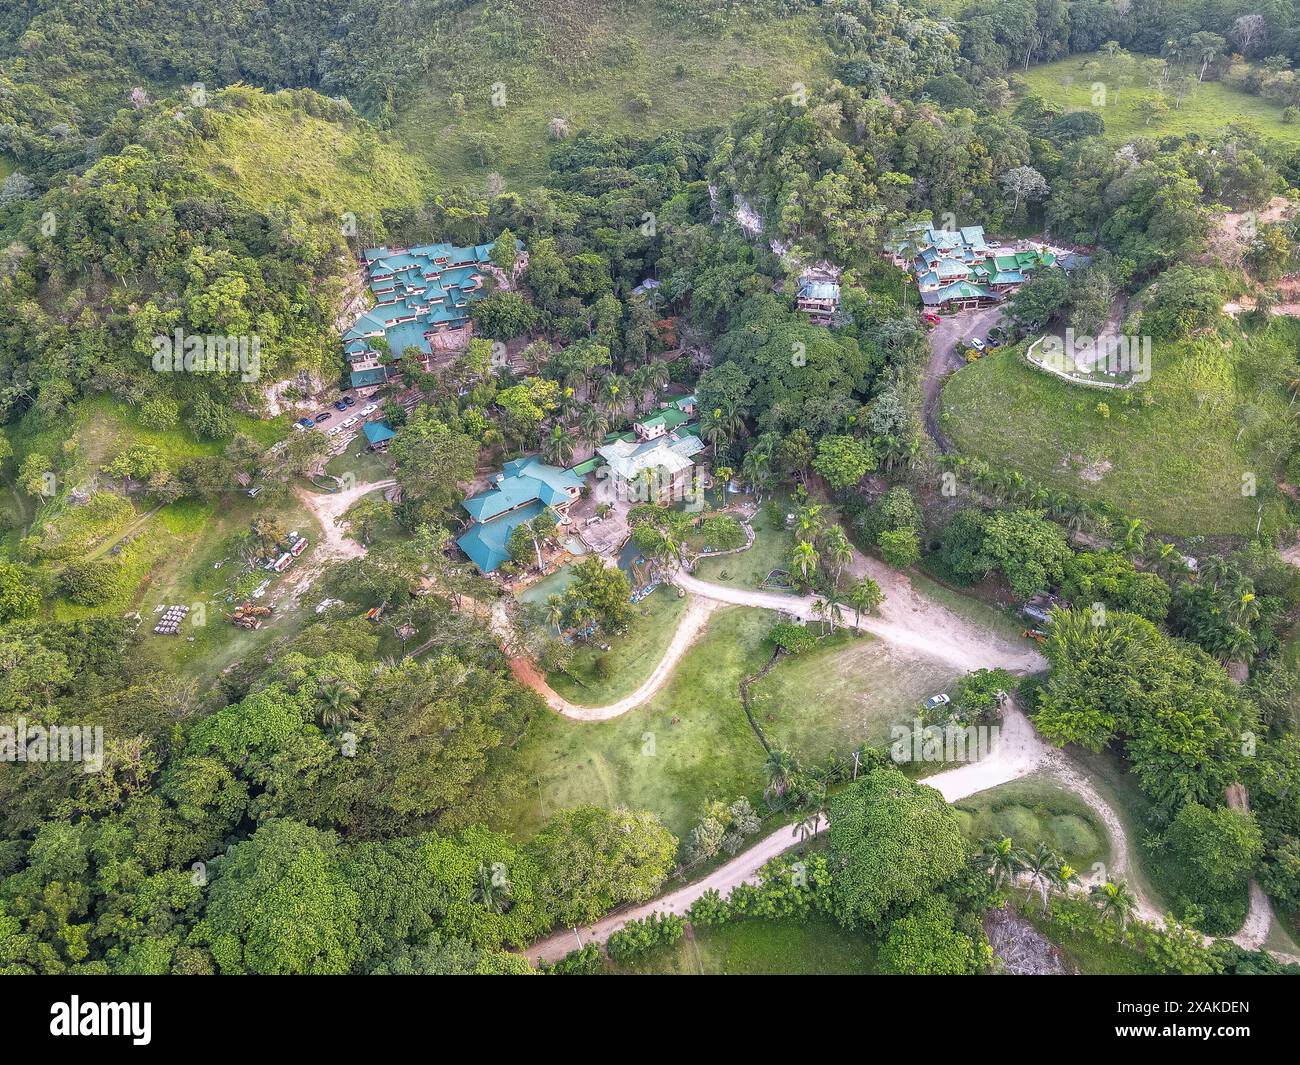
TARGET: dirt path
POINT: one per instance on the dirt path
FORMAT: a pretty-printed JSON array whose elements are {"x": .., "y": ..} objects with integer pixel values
[
  {"x": 1018, "y": 752},
  {"x": 945, "y": 359},
  {"x": 692, "y": 623},
  {"x": 335, "y": 544},
  {"x": 906, "y": 619}
]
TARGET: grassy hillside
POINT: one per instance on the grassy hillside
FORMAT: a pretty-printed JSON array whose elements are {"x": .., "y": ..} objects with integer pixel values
[
  {"x": 1175, "y": 454},
  {"x": 268, "y": 151},
  {"x": 692, "y": 80},
  {"x": 1209, "y": 107}
]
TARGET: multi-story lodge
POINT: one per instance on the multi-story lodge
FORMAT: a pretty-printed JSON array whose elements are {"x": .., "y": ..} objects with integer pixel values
[
  {"x": 957, "y": 268},
  {"x": 422, "y": 301}
]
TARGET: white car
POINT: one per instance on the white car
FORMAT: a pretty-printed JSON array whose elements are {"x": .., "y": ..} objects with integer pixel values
[
  {"x": 334, "y": 430},
  {"x": 369, "y": 408},
  {"x": 348, "y": 423},
  {"x": 977, "y": 344},
  {"x": 936, "y": 701}
]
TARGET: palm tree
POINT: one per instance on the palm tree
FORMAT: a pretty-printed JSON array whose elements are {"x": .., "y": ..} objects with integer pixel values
[
  {"x": 613, "y": 388},
  {"x": 864, "y": 597},
  {"x": 804, "y": 559},
  {"x": 1043, "y": 866},
  {"x": 555, "y": 612},
  {"x": 593, "y": 424},
  {"x": 1135, "y": 535},
  {"x": 836, "y": 547},
  {"x": 491, "y": 891},
  {"x": 338, "y": 699},
  {"x": 1114, "y": 900},
  {"x": 808, "y": 523},
  {"x": 557, "y": 447},
  {"x": 1001, "y": 859},
  {"x": 755, "y": 468},
  {"x": 807, "y": 826},
  {"x": 782, "y": 769}
]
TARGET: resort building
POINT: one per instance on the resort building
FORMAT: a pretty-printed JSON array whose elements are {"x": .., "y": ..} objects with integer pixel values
[
  {"x": 819, "y": 299},
  {"x": 422, "y": 300},
  {"x": 958, "y": 268},
  {"x": 655, "y": 462},
  {"x": 522, "y": 490}
]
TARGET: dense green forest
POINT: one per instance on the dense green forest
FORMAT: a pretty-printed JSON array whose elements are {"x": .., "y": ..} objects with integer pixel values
[{"x": 217, "y": 169}]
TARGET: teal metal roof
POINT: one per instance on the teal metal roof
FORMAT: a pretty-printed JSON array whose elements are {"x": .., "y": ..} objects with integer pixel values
[
  {"x": 376, "y": 375},
  {"x": 378, "y": 432},
  {"x": 522, "y": 481},
  {"x": 485, "y": 543}
]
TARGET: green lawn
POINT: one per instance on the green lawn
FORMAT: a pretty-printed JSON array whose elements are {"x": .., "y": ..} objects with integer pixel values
[
  {"x": 1037, "y": 810},
  {"x": 1210, "y": 415},
  {"x": 771, "y": 550},
  {"x": 688, "y": 744},
  {"x": 816, "y": 947},
  {"x": 721, "y": 75},
  {"x": 634, "y": 655},
  {"x": 848, "y": 691},
  {"x": 1210, "y": 107}
]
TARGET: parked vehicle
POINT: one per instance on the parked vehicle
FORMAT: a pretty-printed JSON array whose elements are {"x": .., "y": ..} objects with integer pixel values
[
  {"x": 340, "y": 405},
  {"x": 932, "y": 319},
  {"x": 324, "y": 416},
  {"x": 305, "y": 423},
  {"x": 334, "y": 431},
  {"x": 369, "y": 408},
  {"x": 936, "y": 701},
  {"x": 997, "y": 337},
  {"x": 976, "y": 343},
  {"x": 348, "y": 423},
  {"x": 349, "y": 400},
  {"x": 255, "y": 491}
]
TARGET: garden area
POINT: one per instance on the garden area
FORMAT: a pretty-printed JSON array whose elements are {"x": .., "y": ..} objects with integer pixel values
[
  {"x": 1133, "y": 451},
  {"x": 1037, "y": 810},
  {"x": 595, "y": 677}
]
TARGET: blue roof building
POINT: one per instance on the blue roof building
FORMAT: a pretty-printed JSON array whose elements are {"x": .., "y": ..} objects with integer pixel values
[
  {"x": 378, "y": 433},
  {"x": 522, "y": 490},
  {"x": 418, "y": 292}
]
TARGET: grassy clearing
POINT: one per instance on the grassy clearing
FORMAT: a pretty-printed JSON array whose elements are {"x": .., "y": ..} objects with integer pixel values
[
  {"x": 1210, "y": 106},
  {"x": 273, "y": 152},
  {"x": 720, "y": 77},
  {"x": 848, "y": 691},
  {"x": 688, "y": 744},
  {"x": 771, "y": 550},
  {"x": 633, "y": 656},
  {"x": 1138, "y": 458},
  {"x": 816, "y": 947},
  {"x": 1037, "y": 810}
]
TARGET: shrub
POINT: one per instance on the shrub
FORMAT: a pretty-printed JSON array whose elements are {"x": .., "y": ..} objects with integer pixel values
[
  {"x": 791, "y": 638},
  {"x": 636, "y": 938}
]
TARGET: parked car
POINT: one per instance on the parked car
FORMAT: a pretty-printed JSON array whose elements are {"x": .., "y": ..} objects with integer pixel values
[
  {"x": 976, "y": 343},
  {"x": 305, "y": 423},
  {"x": 936, "y": 701},
  {"x": 993, "y": 244},
  {"x": 340, "y": 405},
  {"x": 334, "y": 431},
  {"x": 323, "y": 416},
  {"x": 997, "y": 336},
  {"x": 349, "y": 400},
  {"x": 255, "y": 491},
  {"x": 369, "y": 408},
  {"x": 348, "y": 423},
  {"x": 932, "y": 319}
]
